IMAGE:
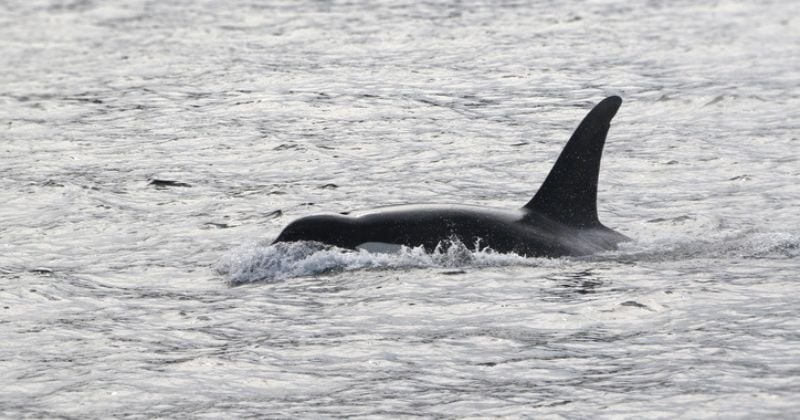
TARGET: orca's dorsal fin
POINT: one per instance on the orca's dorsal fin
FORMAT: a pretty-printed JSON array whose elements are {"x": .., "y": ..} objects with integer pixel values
[{"x": 569, "y": 193}]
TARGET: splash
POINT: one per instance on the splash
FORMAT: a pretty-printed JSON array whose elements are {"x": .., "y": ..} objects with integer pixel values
[{"x": 262, "y": 262}]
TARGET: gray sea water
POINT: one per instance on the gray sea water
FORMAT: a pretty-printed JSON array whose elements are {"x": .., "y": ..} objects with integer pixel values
[{"x": 150, "y": 151}]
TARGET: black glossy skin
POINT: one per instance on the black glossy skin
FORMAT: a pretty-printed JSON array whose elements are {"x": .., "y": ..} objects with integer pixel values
[
  {"x": 521, "y": 231},
  {"x": 560, "y": 220}
]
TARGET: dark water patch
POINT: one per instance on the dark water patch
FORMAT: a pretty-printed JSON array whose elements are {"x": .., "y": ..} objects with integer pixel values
[
  {"x": 674, "y": 220},
  {"x": 273, "y": 214},
  {"x": 287, "y": 146},
  {"x": 212, "y": 225},
  {"x": 634, "y": 304},
  {"x": 165, "y": 183}
]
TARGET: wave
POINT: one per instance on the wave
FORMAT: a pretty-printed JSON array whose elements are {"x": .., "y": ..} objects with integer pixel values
[
  {"x": 748, "y": 244},
  {"x": 263, "y": 262}
]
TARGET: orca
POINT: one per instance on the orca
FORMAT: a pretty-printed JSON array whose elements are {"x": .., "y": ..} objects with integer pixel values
[{"x": 560, "y": 220}]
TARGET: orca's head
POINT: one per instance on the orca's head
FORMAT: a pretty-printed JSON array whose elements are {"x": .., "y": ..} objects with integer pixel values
[{"x": 328, "y": 229}]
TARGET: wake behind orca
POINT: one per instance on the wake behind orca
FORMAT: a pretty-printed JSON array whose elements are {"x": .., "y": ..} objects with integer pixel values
[{"x": 560, "y": 220}]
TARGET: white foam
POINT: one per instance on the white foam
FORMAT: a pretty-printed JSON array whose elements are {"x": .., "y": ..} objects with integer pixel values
[{"x": 263, "y": 262}]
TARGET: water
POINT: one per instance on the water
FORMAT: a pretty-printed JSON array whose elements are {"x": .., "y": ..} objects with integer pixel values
[{"x": 127, "y": 295}]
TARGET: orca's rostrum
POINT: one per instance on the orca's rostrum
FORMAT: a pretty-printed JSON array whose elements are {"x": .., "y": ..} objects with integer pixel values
[{"x": 560, "y": 220}]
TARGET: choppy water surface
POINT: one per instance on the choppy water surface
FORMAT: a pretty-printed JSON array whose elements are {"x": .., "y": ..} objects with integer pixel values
[{"x": 149, "y": 151}]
